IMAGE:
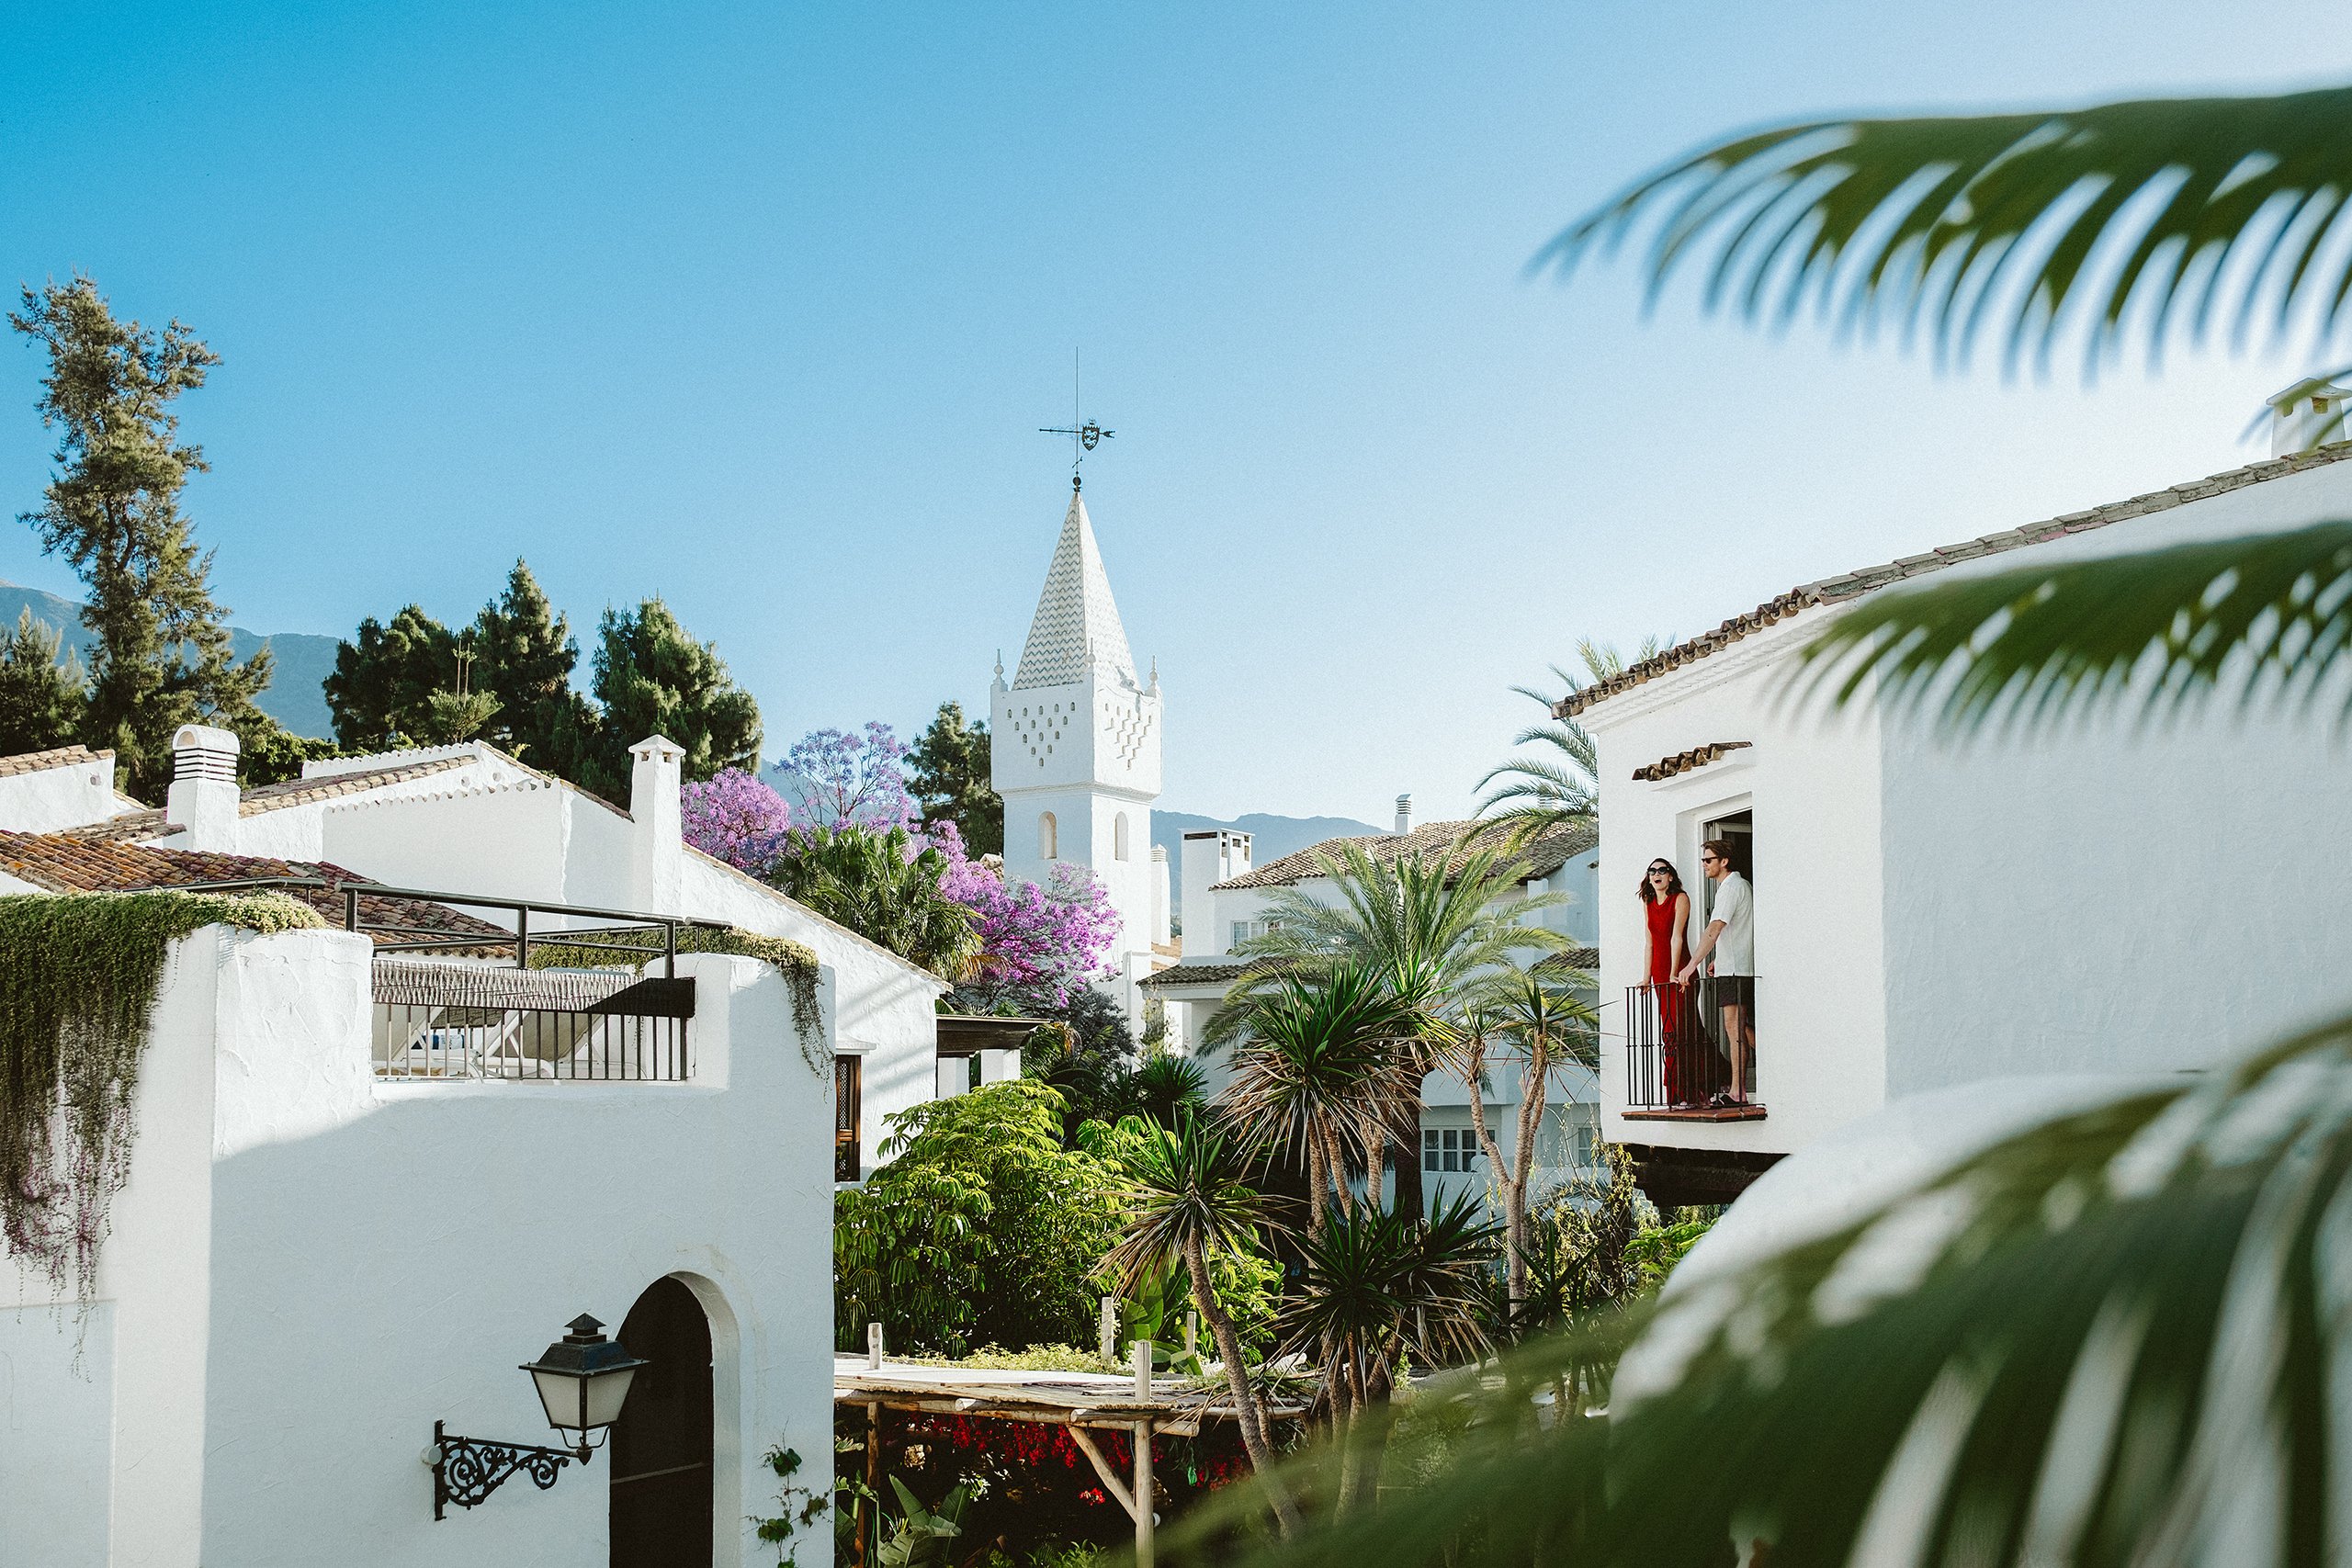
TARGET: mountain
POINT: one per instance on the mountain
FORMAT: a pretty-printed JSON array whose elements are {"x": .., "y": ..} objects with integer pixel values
[
  {"x": 1271, "y": 838},
  {"x": 296, "y": 698}
]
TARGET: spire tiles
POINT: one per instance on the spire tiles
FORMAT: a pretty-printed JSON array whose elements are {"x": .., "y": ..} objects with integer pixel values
[{"x": 1076, "y": 630}]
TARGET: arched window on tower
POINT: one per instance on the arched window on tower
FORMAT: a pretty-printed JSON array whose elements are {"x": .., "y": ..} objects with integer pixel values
[
  {"x": 1119, "y": 838},
  {"x": 1049, "y": 845}
]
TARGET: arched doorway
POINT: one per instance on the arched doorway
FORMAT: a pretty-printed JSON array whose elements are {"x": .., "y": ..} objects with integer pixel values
[{"x": 662, "y": 1444}]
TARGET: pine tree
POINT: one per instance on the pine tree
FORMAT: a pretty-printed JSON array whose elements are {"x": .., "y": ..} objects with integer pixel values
[
  {"x": 524, "y": 654},
  {"x": 42, "y": 696},
  {"x": 381, "y": 694},
  {"x": 653, "y": 678},
  {"x": 950, "y": 777},
  {"x": 160, "y": 658}
]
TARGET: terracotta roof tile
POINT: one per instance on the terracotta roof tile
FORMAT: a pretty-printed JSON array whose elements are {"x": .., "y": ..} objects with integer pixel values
[
  {"x": 1854, "y": 584},
  {"x": 1544, "y": 856},
  {"x": 41, "y": 761},
  {"x": 1684, "y": 762},
  {"x": 136, "y": 827},
  {"x": 72, "y": 863}
]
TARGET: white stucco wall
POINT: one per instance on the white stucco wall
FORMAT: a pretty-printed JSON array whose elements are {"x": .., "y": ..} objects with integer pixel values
[
  {"x": 2114, "y": 896},
  {"x": 309, "y": 1267},
  {"x": 58, "y": 798},
  {"x": 1821, "y": 1025}
]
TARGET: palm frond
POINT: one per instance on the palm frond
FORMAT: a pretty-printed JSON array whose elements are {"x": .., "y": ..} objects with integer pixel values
[
  {"x": 2117, "y": 1339},
  {"x": 2155, "y": 628},
  {"x": 2121, "y": 216}
]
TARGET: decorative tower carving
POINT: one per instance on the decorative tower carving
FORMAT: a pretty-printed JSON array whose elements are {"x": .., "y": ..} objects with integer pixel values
[{"x": 1074, "y": 745}]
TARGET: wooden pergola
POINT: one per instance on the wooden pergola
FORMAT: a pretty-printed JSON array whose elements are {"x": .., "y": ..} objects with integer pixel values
[{"x": 1080, "y": 1403}]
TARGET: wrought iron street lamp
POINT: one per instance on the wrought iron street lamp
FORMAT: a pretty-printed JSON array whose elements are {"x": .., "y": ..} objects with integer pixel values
[{"x": 582, "y": 1379}]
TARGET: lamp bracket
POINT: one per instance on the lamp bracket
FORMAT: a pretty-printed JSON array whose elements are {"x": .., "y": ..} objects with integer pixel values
[{"x": 467, "y": 1470}]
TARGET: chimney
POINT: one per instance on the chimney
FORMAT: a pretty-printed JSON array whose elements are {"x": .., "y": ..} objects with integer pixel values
[
  {"x": 1211, "y": 855},
  {"x": 657, "y": 840},
  {"x": 202, "y": 800},
  {"x": 1404, "y": 814},
  {"x": 2308, "y": 414},
  {"x": 1160, "y": 893}
]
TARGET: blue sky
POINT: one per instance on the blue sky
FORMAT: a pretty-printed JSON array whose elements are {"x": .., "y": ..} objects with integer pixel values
[{"x": 758, "y": 308}]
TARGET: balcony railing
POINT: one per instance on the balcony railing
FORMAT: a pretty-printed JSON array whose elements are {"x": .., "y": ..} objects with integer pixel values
[{"x": 1681, "y": 1043}]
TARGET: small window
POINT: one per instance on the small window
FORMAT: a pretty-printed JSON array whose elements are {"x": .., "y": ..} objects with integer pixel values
[
  {"x": 1049, "y": 839},
  {"x": 1429, "y": 1148},
  {"x": 849, "y": 1074},
  {"x": 1119, "y": 838}
]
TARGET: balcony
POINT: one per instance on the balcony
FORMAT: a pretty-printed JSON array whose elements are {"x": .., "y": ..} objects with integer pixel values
[{"x": 1680, "y": 1041}]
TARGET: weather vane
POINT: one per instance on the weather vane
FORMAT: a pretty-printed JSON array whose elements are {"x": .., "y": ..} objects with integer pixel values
[{"x": 1085, "y": 434}]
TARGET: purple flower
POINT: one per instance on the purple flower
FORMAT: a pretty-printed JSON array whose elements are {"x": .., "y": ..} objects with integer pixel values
[
  {"x": 1054, "y": 937},
  {"x": 851, "y": 781},
  {"x": 736, "y": 819}
]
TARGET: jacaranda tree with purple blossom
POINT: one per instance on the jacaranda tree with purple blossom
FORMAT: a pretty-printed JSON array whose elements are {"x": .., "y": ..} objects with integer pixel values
[
  {"x": 736, "y": 818},
  {"x": 851, "y": 781},
  {"x": 1040, "y": 940}
]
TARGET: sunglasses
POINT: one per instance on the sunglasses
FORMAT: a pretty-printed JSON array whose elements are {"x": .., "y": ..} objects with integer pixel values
[{"x": 1661, "y": 871}]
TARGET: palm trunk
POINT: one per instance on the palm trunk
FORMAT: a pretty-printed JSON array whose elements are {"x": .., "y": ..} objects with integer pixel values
[
  {"x": 1514, "y": 1228},
  {"x": 1246, "y": 1414},
  {"x": 1522, "y": 1164},
  {"x": 1318, "y": 1196},
  {"x": 1335, "y": 1165}
]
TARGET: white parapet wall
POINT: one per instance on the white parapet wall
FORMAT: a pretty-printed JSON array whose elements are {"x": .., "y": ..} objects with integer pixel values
[{"x": 309, "y": 1267}]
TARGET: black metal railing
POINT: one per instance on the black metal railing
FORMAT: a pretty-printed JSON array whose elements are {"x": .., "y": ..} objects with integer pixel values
[
  {"x": 1692, "y": 1046},
  {"x": 417, "y": 1039}
]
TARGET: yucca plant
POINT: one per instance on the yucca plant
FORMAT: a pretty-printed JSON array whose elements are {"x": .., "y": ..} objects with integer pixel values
[
  {"x": 1319, "y": 1071},
  {"x": 1186, "y": 1200}
]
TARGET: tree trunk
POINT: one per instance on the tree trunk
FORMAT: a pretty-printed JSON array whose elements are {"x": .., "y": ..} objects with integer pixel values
[
  {"x": 1514, "y": 1253},
  {"x": 1246, "y": 1414},
  {"x": 1530, "y": 1122}
]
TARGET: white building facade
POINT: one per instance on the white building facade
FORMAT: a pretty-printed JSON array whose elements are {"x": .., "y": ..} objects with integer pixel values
[
  {"x": 1074, "y": 751},
  {"x": 2106, "y": 898}
]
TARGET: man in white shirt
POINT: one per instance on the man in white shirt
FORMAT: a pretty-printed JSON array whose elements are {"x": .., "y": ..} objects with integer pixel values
[{"x": 1730, "y": 940}]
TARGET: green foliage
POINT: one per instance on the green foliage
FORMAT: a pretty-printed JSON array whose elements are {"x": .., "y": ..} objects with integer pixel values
[
  {"x": 795, "y": 962},
  {"x": 272, "y": 753},
  {"x": 44, "y": 694},
  {"x": 653, "y": 678},
  {"x": 981, "y": 1229},
  {"x": 798, "y": 1508},
  {"x": 78, "y": 976},
  {"x": 2115, "y": 217},
  {"x": 919, "y": 1536},
  {"x": 879, "y": 886},
  {"x": 2155, "y": 630},
  {"x": 1035, "y": 1358},
  {"x": 380, "y": 692},
  {"x": 950, "y": 774},
  {"x": 161, "y": 659},
  {"x": 1244, "y": 1281},
  {"x": 524, "y": 655}
]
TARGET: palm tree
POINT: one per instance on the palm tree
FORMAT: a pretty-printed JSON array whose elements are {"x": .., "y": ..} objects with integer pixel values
[
  {"x": 881, "y": 886},
  {"x": 1541, "y": 1013},
  {"x": 1187, "y": 1201},
  {"x": 1427, "y": 924},
  {"x": 2114, "y": 219},
  {"x": 1317, "y": 1070},
  {"x": 2109, "y": 1339},
  {"x": 1559, "y": 787}
]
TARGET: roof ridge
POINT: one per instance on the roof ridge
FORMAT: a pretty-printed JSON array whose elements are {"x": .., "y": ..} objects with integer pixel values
[{"x": 1854, "y": 584}]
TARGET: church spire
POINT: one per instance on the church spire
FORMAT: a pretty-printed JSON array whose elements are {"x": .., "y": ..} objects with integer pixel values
[{"x": 1076, "y": 629}]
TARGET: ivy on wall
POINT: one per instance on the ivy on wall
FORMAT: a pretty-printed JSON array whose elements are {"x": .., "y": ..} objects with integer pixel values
[
  {"x": 794, "y": 962},
  {"x": 78, "y": 976}
]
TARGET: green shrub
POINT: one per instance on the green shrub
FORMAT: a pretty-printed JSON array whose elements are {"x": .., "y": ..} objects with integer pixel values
[{"x": 981, "y": 1229}]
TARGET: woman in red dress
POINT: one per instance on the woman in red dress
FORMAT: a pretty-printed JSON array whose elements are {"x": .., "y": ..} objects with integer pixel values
[{"x": 1666, "y": 911}]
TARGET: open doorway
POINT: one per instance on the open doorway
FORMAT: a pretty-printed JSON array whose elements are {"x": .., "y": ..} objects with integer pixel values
[
  {"x": 661, "y": 1445},
  {"x": 1737, "y": 829}
]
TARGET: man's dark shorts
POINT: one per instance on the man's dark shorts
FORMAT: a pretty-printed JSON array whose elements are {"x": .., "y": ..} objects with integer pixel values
[{"x": 1734, "y": 991}]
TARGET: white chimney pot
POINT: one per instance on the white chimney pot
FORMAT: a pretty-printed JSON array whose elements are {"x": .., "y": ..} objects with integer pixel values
[
  {"x": 1404, "y": 814},
  {"x": 202, "y": 799}
]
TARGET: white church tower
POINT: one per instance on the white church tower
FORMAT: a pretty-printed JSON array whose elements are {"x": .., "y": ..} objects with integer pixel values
[{"x": 1074, "y": 749}]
